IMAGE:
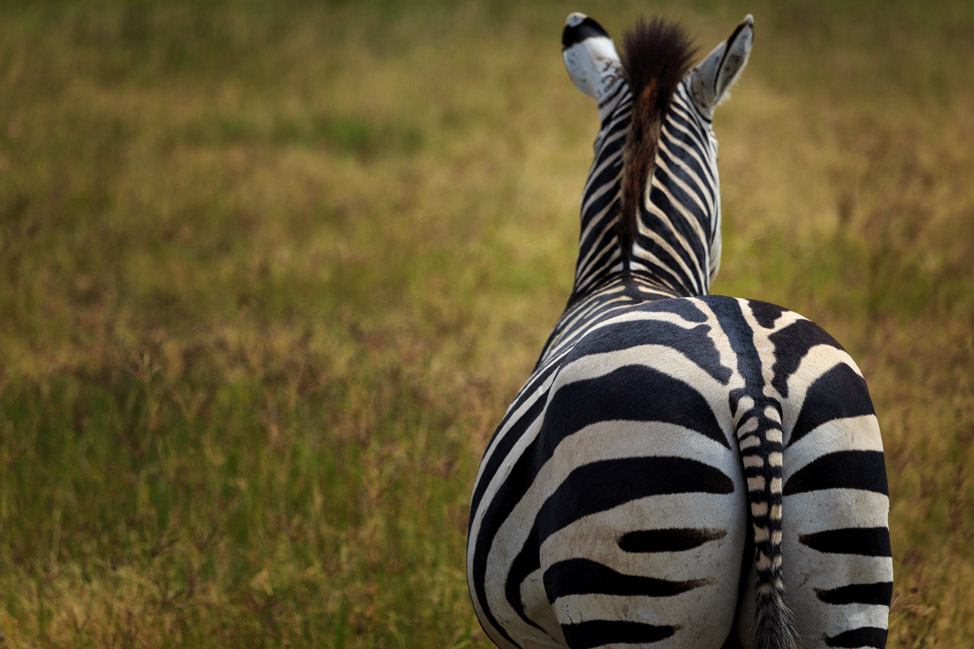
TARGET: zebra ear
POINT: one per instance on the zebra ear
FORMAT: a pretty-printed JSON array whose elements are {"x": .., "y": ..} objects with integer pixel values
[
  {"x": 711, "y": 80},
  {"x": 590, "y": 57}
]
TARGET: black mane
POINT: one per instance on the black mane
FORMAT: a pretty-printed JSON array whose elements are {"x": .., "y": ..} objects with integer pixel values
[{"x": 656, "y": 55}]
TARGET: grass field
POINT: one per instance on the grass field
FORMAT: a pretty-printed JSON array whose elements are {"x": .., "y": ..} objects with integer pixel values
[{"x": 271, "y": 272}]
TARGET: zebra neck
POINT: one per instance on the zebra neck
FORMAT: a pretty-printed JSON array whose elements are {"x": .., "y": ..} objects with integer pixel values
[
  {"x": 663, "y": 254},
  {"x": 600, "y": 257},
  {"x": 678, "y": 220}
]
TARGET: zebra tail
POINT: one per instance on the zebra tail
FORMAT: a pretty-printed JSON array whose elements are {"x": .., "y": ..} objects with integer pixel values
[{"x": 759, "y": 437}]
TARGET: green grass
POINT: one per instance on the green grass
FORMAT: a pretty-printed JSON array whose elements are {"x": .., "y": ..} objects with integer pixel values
[{"x": 270, "y": 274}]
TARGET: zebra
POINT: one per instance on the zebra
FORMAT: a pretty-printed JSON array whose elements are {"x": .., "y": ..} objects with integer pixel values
[{"x": 680, "y": 469}]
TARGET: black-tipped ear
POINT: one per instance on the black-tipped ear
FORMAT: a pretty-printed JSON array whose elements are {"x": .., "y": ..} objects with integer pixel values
[
  {"x": 711, "y": 81},
  {"x": 590, "y": 57},
  {"x": 579, "y": 27}
]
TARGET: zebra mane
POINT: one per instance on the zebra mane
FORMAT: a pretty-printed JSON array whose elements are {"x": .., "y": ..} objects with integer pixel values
[{"x": 656, "y": 55}]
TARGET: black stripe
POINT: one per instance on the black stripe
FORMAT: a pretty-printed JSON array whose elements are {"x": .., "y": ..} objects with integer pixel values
[
  {"x": 740, "y": 334},
  {"x": 503, "y": 449},
  {"x": 588, "y": 28},
  {"x": 676, "y": 224},
  {"x": 601, "y": 486},
  {"x": 593, "y": 309},
  {"x": 686, "y": 309},
  {"x": 674, "y": 539},
  {"x": 864, "y": 470},
  {"x": 668, "y": 155},
  {"x": 741, "y": 338},
  {"x": 864, "y": 541},
  {"x": 608, "y": 175},
  {"x": 688, "y": 200},
  {"x": 607, "y": 247},
  {"x": 791, "y": 344},
  {"x": 606, "y": 202},
  {"x": 674, "y": 140},
  {"x": 619, "y": 89},
  {"x": 666, "y": 269},
  {"x": 765, "y": 313},
  {"x": 582, "y": 577},
  {"x": 604, "y": 207},
  {"x": 608, "y": 256},
  {"x": 527, "y": 392},
  {"x": 496, "y": 512},
  {"x": 867, "y": 636},
  {"x": 618, "y": 121},
  {"x": 880, "y": 593},
  {"x": 608, "y": 157},
  {"x": 601, "y": 632},
  {"x": 681, "y": 128},
  {"x": 688, "y": 196},
  {"x": 695, "y": 344},
  {"x": 633, "y": 393},
  {"x": 837, "y": 394}
]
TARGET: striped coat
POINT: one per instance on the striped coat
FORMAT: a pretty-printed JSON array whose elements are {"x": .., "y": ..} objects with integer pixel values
[{"x": 680, "y": 470}]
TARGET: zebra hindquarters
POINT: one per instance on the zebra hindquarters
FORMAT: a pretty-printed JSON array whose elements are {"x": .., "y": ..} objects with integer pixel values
[
  {"x": 838, "y": 568},
  {"x": 641, "y": 540},
  {"x": 839, "y": 573}
]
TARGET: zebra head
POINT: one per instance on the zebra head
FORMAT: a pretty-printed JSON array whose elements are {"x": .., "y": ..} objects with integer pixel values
[{"x": 651, "y": 206}]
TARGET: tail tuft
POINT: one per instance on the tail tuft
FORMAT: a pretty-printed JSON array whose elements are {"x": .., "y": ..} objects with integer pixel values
[{"x": 775, "y": 627}]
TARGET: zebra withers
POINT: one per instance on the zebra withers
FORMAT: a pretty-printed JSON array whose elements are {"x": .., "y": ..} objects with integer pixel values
[{"x": 680, "y": 470}]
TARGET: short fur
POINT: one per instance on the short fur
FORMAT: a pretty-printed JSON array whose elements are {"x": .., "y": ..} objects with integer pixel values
[{"x": 656, "y": 55}]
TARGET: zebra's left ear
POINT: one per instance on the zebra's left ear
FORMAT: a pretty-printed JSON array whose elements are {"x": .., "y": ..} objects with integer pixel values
[
  {"x": 591, "y": 58},
  {"x": 711, "y": 80}
]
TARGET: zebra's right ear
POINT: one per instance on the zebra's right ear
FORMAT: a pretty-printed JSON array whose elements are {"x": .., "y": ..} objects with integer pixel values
[
  {"x": 590, "y": 57},
  {"x": 710, "y": 81}
]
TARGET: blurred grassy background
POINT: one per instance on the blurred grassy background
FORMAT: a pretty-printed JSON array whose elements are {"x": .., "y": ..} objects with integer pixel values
[{"x": 271, "y": 272}]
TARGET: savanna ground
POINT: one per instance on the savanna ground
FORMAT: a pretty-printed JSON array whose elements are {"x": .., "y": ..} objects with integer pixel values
[{"x": 271, "y": 272}]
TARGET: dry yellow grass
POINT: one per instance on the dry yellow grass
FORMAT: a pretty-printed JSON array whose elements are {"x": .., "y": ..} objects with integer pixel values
[{"x": 270, "y": 275}]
